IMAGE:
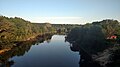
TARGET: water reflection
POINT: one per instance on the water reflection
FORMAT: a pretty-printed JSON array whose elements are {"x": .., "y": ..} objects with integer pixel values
[
  {"x": 20, "y": 50},
  {"x": 46, "y": 51}
]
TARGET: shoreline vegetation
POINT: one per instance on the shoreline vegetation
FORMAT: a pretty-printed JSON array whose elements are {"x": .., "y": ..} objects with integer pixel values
[
  {"x": 21, "y": 48},
  {"x": 97, "y": 42},
  {"x": 31, "y": 39},
  {"x": 4, "y": 50},
  {"x": 15, "y": 30}
]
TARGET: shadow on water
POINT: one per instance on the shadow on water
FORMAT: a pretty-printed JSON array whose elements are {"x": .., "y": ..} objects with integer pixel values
[
  {"x": 23, "y": 47},
  {"x": 85, "y": 59},
  {"x": 20, "y": 49}
]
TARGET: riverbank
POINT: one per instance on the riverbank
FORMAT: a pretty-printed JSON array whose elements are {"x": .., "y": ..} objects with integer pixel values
[
  {"x": 103, "y": 58},
  {"x": 37, "y": 37},
  {"x": 108, "y": 56},
  {"x": 36, "y": 52},
  {"x": 4, "y": 50}
]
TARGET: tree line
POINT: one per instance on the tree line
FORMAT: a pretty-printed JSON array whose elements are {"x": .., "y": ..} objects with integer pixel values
[
  {"x": 97, "y": 42},
  {"x": 93, "y": 36},
  {"x": 18, "y": 29}
]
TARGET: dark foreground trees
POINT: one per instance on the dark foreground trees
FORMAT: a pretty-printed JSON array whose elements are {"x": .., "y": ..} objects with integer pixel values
[
  {"x": 88, "y": 38},
  {"x": 95, "y": 40},
  {"x": 92, "y": 37}
]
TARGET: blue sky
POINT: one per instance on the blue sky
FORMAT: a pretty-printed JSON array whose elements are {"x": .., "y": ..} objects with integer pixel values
[{"x": 61, "y": 11}]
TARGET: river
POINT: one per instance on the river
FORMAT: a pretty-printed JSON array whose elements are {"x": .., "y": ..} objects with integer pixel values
[{"x": 51, "y": 53}]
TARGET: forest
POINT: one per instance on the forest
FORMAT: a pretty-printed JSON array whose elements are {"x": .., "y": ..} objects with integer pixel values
[
  {"x": 17, "y": 29},
  {"x": 100, "y": 40}
]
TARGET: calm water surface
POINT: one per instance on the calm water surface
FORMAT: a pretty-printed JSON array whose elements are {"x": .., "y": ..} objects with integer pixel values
[{"x": 53, "y": 53}]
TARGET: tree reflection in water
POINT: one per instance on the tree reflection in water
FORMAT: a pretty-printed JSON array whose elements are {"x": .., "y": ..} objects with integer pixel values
[{"x": 21, "y": 49}]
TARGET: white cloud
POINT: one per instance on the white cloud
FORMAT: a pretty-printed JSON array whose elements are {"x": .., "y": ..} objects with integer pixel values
[
  {"x": 59, "y": 20},
  {"x": 55, "y": 20}
]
